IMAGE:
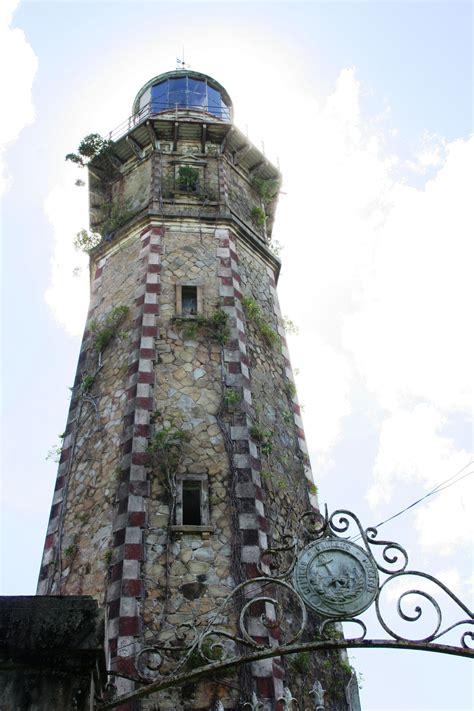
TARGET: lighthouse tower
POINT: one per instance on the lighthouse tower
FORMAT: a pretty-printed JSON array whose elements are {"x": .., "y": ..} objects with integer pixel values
[{"x": 184, "y": 455}]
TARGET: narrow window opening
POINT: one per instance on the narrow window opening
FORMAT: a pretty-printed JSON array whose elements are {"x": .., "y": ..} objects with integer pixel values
[
  {"x": 189, "y": 306},
  {"x": 192, "y": 503}
]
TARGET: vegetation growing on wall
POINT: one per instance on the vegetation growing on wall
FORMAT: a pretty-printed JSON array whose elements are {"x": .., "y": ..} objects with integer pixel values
[
  {"x": 232, "y": 396},
  {"x": 188, "y": 178},
  {"x": 263, "y": 437},
  {"x": 165, "y": 448},
  {"x": 214, "y": 328},
  {"x": 254, "y": 314},
  {"x": 92, "y": 146},
  {"x": 103, "y": 332},
  {"x": 266, "y": 188},
  {"x": 119, "y": 215},
  {"x": 258, "y": 216}
]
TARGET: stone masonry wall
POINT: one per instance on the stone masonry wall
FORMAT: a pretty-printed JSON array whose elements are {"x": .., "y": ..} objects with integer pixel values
[
  {"x": 278, "y": 431},
  {"x": 186, "y": 575},
  {"x": 114, "y": 531},
  {"x": 78, "y": 543}
]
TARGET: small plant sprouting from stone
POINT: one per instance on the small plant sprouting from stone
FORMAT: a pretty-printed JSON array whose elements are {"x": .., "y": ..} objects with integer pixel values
[
  {"x": 254, "y": 314},
  {"x": 266, "y": 188},
  {"x": 69, "y": 550},
  {"x": 102, "y": 333},
  {"x": 251, "y": 308},
  {"x": 291, "y": 388},
  {"x": 87, "y": 382},
  {"x": 220, "y": 326},
  {"x": 117, "y": 473},
  {"x": 215, "y": 327},
  {"x": 263, "y": 437},
  {"x": 313, "y": 489},
  {"x": 108, "y": 556},
  {"x": 188, "y": 178},
  {"x": 301, "y": 663},
  {"x": 258, "y": 216},
  {"x": 165, "y": 447},
  {"x": 288, "y": 417},
  {"x": 119, "y": 214},
  {"x": 232, "y": 396},
  {"x": 345, "y": 666}
]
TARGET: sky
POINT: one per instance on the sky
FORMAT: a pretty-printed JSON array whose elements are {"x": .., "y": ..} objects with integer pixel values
[{"x": 367, "y": 107}]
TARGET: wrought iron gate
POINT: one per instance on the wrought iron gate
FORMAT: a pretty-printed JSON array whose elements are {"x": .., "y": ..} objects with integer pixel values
[{"x": 323, "y": 570}]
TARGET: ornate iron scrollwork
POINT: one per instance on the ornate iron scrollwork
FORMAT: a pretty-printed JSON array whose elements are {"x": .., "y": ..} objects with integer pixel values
[{"x": 338, "y": 577}]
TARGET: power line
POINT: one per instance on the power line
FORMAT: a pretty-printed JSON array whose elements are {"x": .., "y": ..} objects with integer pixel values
[{"x": 454, "y": 479}]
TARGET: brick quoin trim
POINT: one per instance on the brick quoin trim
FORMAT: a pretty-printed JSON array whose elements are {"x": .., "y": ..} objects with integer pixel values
[
  {"x": 47, "y": 583},
  {"x": 253, "y": 523},
  {"x": 125, "y": 588}
]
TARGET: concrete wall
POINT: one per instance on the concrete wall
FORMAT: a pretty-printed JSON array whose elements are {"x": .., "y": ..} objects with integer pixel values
[{"x": 51, "y": 653}]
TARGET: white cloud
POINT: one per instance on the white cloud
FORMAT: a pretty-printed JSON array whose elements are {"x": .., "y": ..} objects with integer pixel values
[
  {"x": 377, "y": 276},
  {"x": 412, "y": 338},
  {"x": 432, "y": 154},
  {"x": 324, "y": 385},
  {"x": 412, "y": 448},
  {"x": 67, "y": 294},
  {"x": 412, "y": 342},
  {"x": 446, "y": 523},
  {"x": 335, "y": 198},
  {"x": 15, "y": 85}
]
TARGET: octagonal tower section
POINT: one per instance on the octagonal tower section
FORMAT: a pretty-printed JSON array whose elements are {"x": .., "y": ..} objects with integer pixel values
[{"x": 184, "y": 456}]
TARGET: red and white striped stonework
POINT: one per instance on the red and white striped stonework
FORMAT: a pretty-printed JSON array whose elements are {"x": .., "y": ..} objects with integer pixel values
[
  {"x": 124, "y": 622},
  {"x": 49, "y": 582},
  {"x": 252, "y": 520},
  {"x": 295, "y": 405}
]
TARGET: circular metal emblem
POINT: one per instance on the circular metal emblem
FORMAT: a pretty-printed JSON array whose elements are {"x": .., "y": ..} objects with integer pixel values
[{"x": 336, "y": 578}]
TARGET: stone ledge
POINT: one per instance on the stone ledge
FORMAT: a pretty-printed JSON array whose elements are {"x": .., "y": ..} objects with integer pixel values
[{"x": 203, "y": 531}]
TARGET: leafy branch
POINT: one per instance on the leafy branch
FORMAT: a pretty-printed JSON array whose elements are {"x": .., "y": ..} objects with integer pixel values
[{"x": 92, "y": 146}]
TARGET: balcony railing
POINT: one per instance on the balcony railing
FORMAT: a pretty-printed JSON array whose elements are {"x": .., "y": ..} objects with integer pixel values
[{"x": 155, "y": 108}]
